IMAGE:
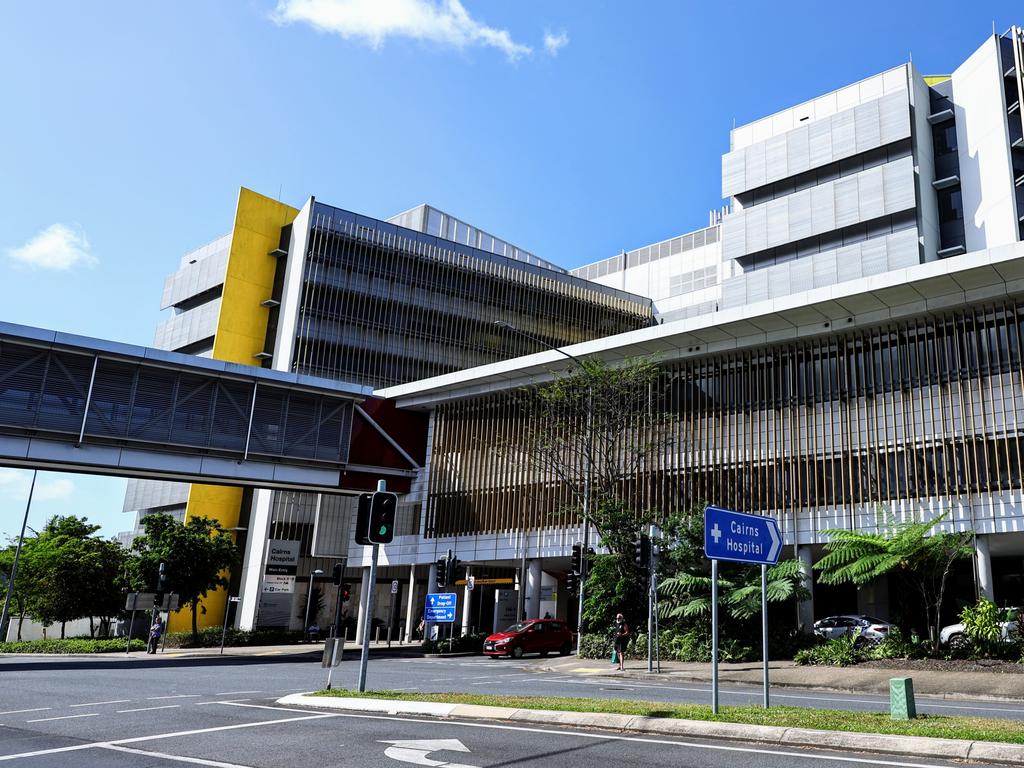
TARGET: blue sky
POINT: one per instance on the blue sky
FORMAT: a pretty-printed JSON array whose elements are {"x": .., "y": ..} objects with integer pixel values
[{"x": 573, "y": 129}]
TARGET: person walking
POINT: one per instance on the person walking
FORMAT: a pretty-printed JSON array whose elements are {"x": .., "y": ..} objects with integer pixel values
[
  {"x": 155, "y": 633},
  {"x": 620, "y": 639}
]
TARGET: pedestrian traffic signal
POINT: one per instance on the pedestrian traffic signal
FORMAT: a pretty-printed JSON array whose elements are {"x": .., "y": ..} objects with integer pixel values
[
  {"x": 158, "y": 600},
  {"x": 572, "y": 583},
  {"x": 161, "y": 578},
  {"x": 642, "y": 553},
  {"x": 381, "y": 525},
  {"x": 577, "y": 557},
  {"x": 442, "y": 573},
  {"x": 337, "y": 574},
  {"x": 346, "y": 592}
]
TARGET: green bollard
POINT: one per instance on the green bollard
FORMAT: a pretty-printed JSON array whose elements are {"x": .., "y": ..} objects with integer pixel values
[{"x": 901, "y": 698}]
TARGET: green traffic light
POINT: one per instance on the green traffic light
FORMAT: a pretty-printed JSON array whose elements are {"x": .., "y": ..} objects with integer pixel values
[{"x": 383, "y": 530}]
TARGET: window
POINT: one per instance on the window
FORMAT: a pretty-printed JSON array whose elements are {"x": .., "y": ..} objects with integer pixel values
[{"x": 951, "y": 207}]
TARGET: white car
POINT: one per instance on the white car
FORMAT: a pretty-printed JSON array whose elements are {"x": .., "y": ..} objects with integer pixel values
[
  {"x": 852, "y": 625},
  {"x": 954, "y": 636}
]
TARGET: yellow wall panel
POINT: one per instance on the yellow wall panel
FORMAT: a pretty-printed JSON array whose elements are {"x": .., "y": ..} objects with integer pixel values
[{"x": 241, "y": 333}]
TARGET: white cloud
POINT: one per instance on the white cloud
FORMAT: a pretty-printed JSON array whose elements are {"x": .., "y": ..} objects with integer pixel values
[
  {"x": 14, "y": 484},
  {"x": 445, "y": 22},
  {"x": 554, "y": 43},
  {"x": 58, "y": 247}
]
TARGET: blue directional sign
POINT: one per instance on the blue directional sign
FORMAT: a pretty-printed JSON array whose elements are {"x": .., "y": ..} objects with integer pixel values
[
  {"x": 741, "y": 537},
  {"x": 440, "y": 607}
]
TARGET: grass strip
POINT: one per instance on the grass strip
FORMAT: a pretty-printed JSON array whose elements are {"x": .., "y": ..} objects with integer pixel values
[{"x": 938, "y": 726}]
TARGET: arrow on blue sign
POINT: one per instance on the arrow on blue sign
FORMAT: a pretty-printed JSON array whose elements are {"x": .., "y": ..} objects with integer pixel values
[{"x": 741, "y": 537}]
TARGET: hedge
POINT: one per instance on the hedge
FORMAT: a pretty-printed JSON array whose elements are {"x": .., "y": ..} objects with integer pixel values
[{"x": 71, "y": 645}]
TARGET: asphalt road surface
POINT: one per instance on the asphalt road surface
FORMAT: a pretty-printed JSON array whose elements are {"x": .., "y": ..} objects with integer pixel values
[{"x": 220, "y": 712}]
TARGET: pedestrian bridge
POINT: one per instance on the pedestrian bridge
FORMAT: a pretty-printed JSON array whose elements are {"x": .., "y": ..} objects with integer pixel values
[{"x": 79, "y": 404}]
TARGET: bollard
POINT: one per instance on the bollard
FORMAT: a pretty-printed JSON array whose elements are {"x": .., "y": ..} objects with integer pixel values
[{"x": 901, "y": 698}]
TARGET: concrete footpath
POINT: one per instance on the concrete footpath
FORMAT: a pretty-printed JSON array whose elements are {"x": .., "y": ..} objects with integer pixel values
[
  {"x": 804, "y": 738},
  {"x": 297, "y": 649},
  {"x": 785, "y": 674}
]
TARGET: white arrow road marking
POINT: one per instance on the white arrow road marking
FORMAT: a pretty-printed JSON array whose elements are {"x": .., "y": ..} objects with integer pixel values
[
  {"x": 415, "y": 751},
  {"x": 773, "y": 532}
]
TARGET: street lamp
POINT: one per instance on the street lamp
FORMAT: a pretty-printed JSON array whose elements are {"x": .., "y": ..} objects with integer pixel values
[
  {"x": 309, "y": 600},
  {"x": 589, "y": 458}
]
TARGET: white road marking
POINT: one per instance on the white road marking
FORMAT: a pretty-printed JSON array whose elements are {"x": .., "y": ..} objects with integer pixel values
[
  {"x": 166, "y": 756},
  {"x": 415, "y": 751},
  {"x": 233, "y": 693},
  {"x": 834, "y": 758},
  {"x": 148, "y": 709},
  {"x": 65, "y": 717},
  {"x": 217, "y": 701},
  {"x": 175, "y": 696},
  {"x": 98, "y": 703},
  {"x": 19, "y": 711},
  {"x": 307, "y": 715}
]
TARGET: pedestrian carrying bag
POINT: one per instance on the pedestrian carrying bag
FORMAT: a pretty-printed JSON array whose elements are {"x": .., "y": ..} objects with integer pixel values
[{"x": 615, "y": 656}]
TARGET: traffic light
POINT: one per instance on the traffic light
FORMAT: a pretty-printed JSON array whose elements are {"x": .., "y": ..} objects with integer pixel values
[
  {"x": 158, "y": 600},
  {"x": 337, "y": 574},
  {"x": 577, "y": 558},
  {"x": 442, "y": 572},
  {"x": 363, "y": 518},
  {"x": 642, "y": 552},
  {"x": 381, "y": 527},
  {"x": 572, "y": 583},
  {"x": 346, "y": 592},
  {"x": 453, "y": 564},
  {"x": 161, "y": 586}
]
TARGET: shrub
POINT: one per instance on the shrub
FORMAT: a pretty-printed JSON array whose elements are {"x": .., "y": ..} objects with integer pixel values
[
  {"x": 595, "y": 647},
  {"x": 209, "y": 637},
  {"x": 463, "y": 644},
  {"x": 981, "y": 625},
  {"x": 71, "y": 645},
  {"x": 840, "y": 652},
  {"x": 897, "y": 645}
]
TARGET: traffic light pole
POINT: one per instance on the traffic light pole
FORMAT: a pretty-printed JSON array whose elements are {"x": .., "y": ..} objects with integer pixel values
[{"x": 368, "y": 608}]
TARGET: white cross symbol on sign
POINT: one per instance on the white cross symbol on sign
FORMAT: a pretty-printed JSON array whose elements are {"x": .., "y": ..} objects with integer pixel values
[{"x": 716, "y": 533}]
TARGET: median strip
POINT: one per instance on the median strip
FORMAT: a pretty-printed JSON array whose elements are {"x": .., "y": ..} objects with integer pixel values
[{"x": 928, "y": 736}]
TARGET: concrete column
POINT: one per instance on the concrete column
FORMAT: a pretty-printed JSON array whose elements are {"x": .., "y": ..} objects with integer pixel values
[
  {"x": 984, "y": 567},
  {"x": 364, "y": 598},
  {"x": 533, "y": 579},
  {"x": 251, "y": 570},
  {"x": 410, "y": 605},
  {"x": 467, "y": 603},
  {"x": 805, "y": 610}
]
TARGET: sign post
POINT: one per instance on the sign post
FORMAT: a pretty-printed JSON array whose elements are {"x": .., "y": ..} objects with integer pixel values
[
  {"x": 368, "y": 608},
  {"x": 740, "y": 538}
]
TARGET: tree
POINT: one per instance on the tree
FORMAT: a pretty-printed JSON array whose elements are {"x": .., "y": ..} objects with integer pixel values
[
  {"x": 921, "y": 557},
  {"x": 72, "y": 572},
  {"x": 23, "y": 585},
  {"x": 688, "y": 595},
  {"x": 197, "y": 554},
  {"x": 596, "y": 431}
]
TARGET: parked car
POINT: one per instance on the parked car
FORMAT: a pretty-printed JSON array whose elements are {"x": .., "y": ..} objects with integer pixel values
[
  {"x": 852, "y": 625},
  {"x": 954, "y": 636},
  {"x": 541, "y": 636}
]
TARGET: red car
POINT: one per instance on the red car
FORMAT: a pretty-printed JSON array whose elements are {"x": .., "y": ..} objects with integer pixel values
[{"x": 541, "y": 636}]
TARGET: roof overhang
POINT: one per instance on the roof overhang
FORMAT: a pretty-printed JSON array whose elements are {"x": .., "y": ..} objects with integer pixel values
[{"x": 921, "y": 289}]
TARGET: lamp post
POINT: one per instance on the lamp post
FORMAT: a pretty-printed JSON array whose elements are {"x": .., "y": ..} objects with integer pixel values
[
  {"x": 588, "y": 449},
  {"x": 309, "y": 600}
]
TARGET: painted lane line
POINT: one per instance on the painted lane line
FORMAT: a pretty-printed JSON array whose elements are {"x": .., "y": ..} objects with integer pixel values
[
  {"x": 176, "y": 758},
  {"x": 831, "y": 758},
  {"x": 19, "y": 711},
  {"x": 175, "y": 734},
  {"x": 175, "y": 696},
  {"x": 217, "y": 701},
  {"x": 65, "y": 717},
  {"x": 147, "y": 709},
  {"x": 98, "y": 703},
  {"x": 233, "y": 693}
]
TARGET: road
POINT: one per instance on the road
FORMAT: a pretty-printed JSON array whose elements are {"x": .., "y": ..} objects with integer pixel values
[{"x": 220, "y": 712}]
